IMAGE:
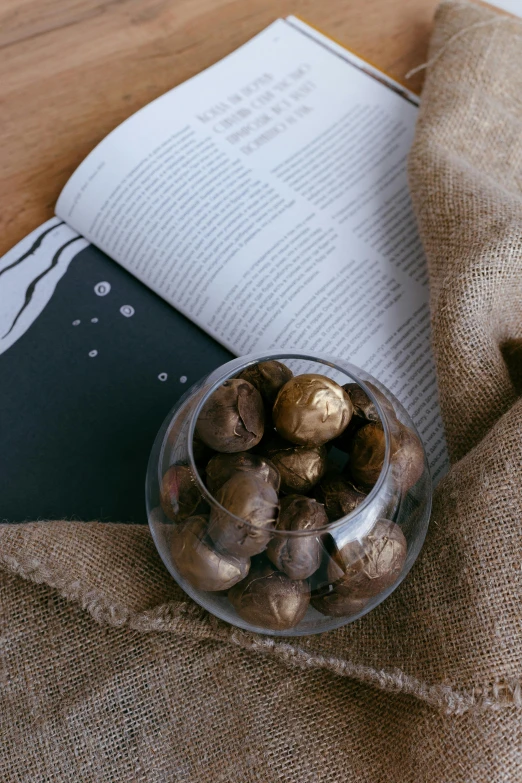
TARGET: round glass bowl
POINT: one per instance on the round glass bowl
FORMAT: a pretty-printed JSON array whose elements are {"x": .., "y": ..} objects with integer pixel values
[{"x": 294, "y": 569}]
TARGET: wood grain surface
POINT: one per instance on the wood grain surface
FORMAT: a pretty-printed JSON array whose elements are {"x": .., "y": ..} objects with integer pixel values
[{"x": 71, "y": 70}]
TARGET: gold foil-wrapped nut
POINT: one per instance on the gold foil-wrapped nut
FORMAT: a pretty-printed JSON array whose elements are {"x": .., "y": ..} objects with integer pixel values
[
  {"x": 256, "y": 504},
  {"x": 300, "y": 467},
  {"x": 223, "y": 466},
  {"x": 363, "y": 569},
  {"x": 179, "y": 493},
  {"x": 407, "y": 459},
  {"x": 337, "y": 605},
  {"x": 268, "y": 378},
  {"x": 199, "y": 563},
  {"x": 367, "y": 449},
  {"x": 311, "y": 409},
  {"x": 232, "y": 419},
  {"x": 338, "y": 495},
  {"x": 268, "y": 598},
  {"x": 298, "y": 556}
]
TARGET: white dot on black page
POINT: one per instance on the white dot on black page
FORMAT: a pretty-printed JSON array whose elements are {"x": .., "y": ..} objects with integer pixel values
[{"x": 102, "y": 289}]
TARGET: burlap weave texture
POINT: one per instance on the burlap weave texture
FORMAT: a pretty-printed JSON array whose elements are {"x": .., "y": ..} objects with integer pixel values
[{"x": 109, "y": 673}]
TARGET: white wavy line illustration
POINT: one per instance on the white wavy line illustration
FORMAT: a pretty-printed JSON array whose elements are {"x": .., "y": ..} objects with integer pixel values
[{"x": 29, "y": 274}]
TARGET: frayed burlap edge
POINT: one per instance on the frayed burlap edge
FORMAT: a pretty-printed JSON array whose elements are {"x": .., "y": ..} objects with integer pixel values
[{"x": 187, "y": 619}]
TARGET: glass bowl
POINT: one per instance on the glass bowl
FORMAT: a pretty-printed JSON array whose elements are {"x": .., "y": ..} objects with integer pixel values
[{"x": 296, "y": 580}]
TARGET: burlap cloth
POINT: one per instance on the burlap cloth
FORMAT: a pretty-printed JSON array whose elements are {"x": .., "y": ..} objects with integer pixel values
[{"x": 108, "y": 673}]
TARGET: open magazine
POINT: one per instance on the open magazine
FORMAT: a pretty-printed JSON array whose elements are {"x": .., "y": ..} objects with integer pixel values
[{"x": 266, "y": 200}]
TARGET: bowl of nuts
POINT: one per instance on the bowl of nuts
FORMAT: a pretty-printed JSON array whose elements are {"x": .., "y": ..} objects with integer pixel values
[{"x": 288, "y": 494}]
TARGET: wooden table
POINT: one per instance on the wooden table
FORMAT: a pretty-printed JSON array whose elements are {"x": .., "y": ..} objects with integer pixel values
[{"x": 71, "y": 70}]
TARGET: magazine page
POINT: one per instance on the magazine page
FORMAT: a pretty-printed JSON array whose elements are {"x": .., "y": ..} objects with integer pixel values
[
  {"x": 29, "y": 274},
  {"x": 277, "y": 213}
]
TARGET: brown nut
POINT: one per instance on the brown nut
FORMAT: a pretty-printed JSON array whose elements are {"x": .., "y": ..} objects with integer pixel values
[
  {"x": 367, "y": 449},
  {"x": 363, "y": 569},
  {"x": 179, "y": 494},
  {"x": 252, "y": 500},
  {"x": 298, "y": 556},
  {"x": 202, "y": 453},
  {"x": 267, "y": 598},
  {"x": 383, "y": 401},
  {"x": 311, "y": 409},
  {"x": 337, "y": 605},
  {"x": 365, "y": 412},
  {"x": 408, "y": 459},
  {"x": 223, "y": 466},
  {"x": 268, "y": 378},
  {"x": 232, "y": 419},
  {"x": 199, "y": 563},
  {"x": 338, "y": 495},
  {"x": 300, "y": 467},
  {"x": 363, "y": 407}
]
